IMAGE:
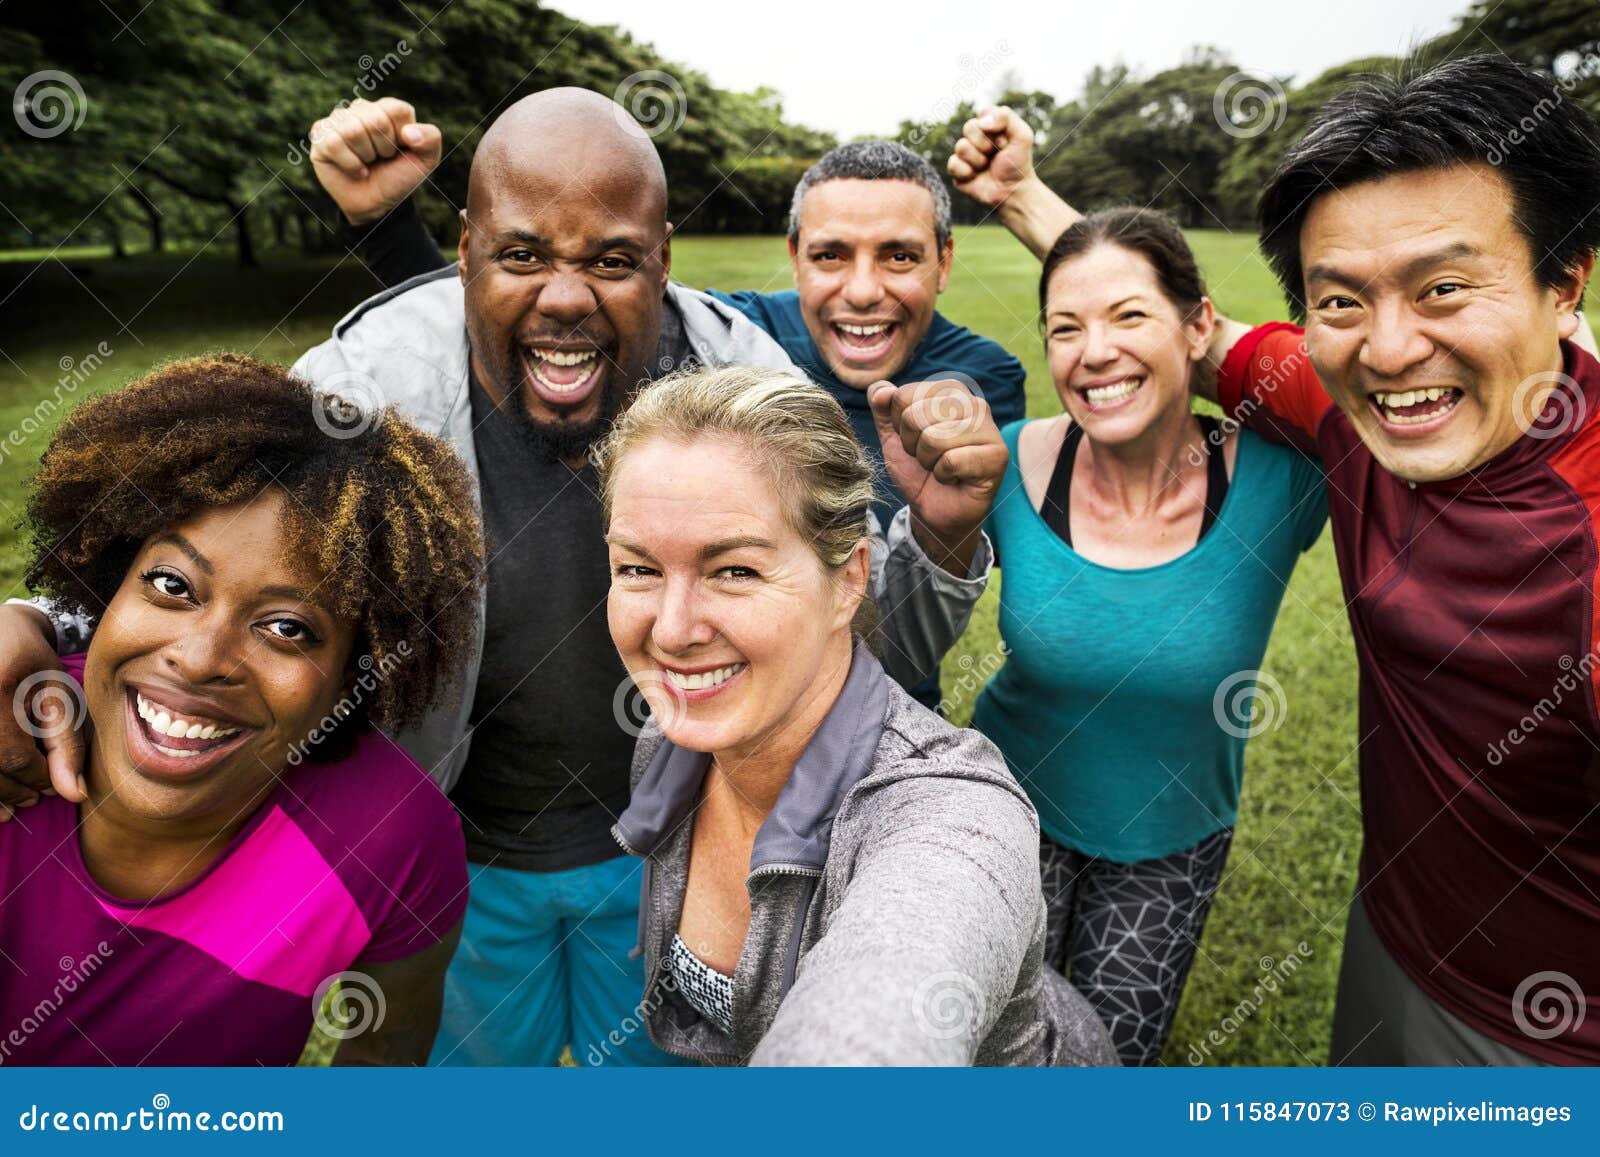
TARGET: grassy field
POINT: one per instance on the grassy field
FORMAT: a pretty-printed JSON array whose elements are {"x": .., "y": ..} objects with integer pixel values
[{"x": 1261, "y": 992}]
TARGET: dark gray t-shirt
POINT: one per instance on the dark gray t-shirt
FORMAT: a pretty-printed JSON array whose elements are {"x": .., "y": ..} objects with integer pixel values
[{"x": 547, "y": 773}]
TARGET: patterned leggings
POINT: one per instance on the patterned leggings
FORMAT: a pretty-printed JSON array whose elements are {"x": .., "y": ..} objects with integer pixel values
[{"x": 1125, "y": 934}]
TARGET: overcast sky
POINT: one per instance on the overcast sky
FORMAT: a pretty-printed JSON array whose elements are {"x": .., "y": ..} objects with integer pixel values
[{"x": 859, "y": 67}]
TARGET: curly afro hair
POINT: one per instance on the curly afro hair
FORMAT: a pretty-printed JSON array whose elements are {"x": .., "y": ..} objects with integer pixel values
[{"x": 386, "y": 513}]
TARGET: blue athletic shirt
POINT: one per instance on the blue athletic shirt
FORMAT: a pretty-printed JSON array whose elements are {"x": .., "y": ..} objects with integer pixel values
[
  {"x": 1107, "y": 706},
  {"x": 946, "y": 350}
]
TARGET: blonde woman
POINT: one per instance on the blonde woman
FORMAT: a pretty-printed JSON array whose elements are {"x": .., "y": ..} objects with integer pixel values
[{"x": 833, "y": 873}]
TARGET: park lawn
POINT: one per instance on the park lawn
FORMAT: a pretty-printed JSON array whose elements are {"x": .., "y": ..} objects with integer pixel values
[{"x": 1261, "y": 991}]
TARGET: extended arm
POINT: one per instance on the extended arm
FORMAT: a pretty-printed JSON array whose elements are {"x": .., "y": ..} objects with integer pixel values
[{"x": 398, "y": 1007}]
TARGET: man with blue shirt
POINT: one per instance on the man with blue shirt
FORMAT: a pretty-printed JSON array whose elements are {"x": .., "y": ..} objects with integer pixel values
[{"x": 870, "y": 245}]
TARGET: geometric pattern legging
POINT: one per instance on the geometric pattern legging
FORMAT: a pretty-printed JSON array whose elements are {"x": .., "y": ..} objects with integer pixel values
[{"x": 1125, "y": 934}]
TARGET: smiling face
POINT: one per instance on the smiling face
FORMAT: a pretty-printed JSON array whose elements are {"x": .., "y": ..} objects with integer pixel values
[
  {"x": 1120, "y": 352},
  {"x": 868, "y": 268},
  {"x": 212, "y": 660},
  {"x": 1424, "y": 320},
  {"x": 722, "y": 613},
  {"x": 565, "y": 262}
]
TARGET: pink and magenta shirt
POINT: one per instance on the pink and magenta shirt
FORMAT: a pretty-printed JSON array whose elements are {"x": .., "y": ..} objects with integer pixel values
[{"x": 350, "y": 863}]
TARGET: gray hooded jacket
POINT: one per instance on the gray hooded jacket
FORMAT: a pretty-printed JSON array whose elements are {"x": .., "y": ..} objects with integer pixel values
[{"x": 895, "y": 910}]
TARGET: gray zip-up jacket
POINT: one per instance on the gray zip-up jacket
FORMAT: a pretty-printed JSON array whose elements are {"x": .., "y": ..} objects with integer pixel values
[
  {"x": 896, "y": 916},
  {"x": 407, "y": 347}
]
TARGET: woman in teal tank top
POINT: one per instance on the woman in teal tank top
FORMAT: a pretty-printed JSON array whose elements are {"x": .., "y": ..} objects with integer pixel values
[{"x": 1146, "y": 550}]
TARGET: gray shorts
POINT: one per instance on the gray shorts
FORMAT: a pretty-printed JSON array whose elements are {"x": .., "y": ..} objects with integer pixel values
[{"x": 1381, "y": 1017}]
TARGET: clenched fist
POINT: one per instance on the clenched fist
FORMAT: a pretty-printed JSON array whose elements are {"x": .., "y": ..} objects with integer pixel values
[
  {"x": 942, "y": 451},
  {"x": 993, "y": 157},
  {"x": 371, "y": 155}
]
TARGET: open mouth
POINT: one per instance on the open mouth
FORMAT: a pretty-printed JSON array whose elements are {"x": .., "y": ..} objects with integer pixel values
[
  {"x": 173, "y": 744},
  {"x": 563, "y": 378},
  {"x": 704, "y": 683},
  {"x": 864, "y": 341},
  {"x": 1415, "y": 411},
  {"x": 1111, "y": 395}
]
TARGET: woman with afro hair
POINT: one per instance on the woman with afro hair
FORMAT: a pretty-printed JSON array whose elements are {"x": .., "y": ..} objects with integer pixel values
[{"x": 271, "y": 587}]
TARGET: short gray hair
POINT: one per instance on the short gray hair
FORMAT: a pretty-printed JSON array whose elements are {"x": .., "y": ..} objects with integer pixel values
[{"x": 875, "y": 161}]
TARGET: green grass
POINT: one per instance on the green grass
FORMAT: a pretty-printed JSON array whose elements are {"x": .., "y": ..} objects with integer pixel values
[{"x": 1294, "y": 855}]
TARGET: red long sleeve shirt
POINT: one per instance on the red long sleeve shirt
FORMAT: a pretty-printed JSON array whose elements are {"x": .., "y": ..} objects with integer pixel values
[{"x": 1475, "y": 606}]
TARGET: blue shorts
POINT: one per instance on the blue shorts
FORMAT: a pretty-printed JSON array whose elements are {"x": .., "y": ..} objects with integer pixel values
[{"x": 546, "y": 962}]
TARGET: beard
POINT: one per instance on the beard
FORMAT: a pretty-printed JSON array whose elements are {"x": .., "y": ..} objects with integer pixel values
[{"x": 563, "y": 441}]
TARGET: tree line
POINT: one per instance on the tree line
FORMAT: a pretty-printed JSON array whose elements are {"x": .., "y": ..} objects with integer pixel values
[
  {"x": 1199, "y": 140},
  {"x": 136, "y": 124}
]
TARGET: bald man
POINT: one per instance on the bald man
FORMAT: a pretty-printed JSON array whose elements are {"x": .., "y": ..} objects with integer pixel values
[{"x": 558, "y": 308}]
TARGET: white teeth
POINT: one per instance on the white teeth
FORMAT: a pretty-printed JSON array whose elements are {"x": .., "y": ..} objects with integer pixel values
[
  {"x": 864, "y": 330},
  {"x": 1392, "y": 402},
  {"x": 163, "y": 721},
  {"x": 560, "y": 358},
  {"x": 1112, "y": 392},
  {"x": 704, "y": 679}
]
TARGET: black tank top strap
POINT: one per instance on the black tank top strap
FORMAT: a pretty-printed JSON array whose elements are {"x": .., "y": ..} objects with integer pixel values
[
  {"x": 1057, "y": 503},
  {"x": 1057, "y": 506},
  {"x": 1216, "y": 472}
]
